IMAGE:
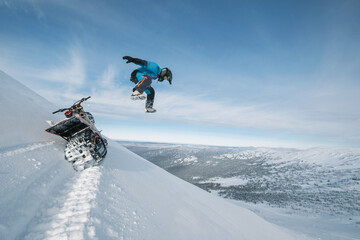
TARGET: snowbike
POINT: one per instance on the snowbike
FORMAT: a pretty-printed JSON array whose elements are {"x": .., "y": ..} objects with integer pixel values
[{"x": 85, "y": 146}]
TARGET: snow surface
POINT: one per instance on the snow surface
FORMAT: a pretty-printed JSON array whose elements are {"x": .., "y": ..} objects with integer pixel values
[
  {"x": 23, "y": 113},
  {"x": 226, "y": 182},
  {"x": 127, "y": 197}
]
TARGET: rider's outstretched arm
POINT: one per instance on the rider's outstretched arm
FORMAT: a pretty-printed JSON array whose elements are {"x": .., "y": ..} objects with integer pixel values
[{"x": 137, "y": 61}]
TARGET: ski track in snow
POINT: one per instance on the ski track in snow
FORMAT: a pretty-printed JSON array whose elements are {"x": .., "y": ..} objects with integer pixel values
[
  {"x": 70, "y": 218},
  {"x": 26, "y": 148}
]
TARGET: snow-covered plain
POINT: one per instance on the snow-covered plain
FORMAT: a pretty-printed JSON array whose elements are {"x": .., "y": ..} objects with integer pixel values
[
  {"x": 126, "y": 197},
  {"x": 314, "y": 191}
]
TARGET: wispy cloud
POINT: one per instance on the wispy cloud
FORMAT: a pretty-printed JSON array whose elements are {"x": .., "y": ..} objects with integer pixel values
[
  {"x": 72, "y": 69},
  {"x": 27, "y": 6},
  {"x": 180, "y": 108},
  {"x": 108, "y": 76}
]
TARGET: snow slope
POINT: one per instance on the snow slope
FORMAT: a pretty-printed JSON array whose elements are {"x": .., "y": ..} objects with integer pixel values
[
  {"x": 23, "y": 113},
  {"x": 127, "y": 197}
]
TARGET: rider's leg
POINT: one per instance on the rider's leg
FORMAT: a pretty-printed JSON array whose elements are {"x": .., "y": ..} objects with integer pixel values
[
  {"x": 143, "y": 84},
  {"x": 150, "y": 97}
]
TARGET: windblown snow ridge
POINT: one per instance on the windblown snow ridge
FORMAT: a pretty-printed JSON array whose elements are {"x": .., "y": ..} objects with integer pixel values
[{"x": 25, "y": 148}]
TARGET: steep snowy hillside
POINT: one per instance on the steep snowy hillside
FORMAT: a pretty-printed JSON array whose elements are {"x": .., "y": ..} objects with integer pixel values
[
  {"x": 23, "y": 113},
  {"x": 127, "y": 197}
]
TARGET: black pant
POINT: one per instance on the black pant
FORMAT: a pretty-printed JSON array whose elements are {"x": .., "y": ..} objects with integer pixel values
[
  {"x": 144, "y": 85},
  {"x": 150, "y": 97}
]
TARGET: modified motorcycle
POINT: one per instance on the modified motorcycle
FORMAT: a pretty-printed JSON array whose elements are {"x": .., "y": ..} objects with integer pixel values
[{"x": 85, "y": 146}]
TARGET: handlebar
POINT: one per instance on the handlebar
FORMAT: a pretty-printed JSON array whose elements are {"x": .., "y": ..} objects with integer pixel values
[
  {"x": 75, "y": 103},
  {"x": 61, "y": 110},
  {"x": 81, "y": 100}
]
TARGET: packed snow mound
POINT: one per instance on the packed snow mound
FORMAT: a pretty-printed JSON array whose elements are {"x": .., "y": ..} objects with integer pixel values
[{"x": 125, "y": 198}]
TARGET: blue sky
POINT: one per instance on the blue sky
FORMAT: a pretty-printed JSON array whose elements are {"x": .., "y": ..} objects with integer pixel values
[{"x": 246, "y": 73}]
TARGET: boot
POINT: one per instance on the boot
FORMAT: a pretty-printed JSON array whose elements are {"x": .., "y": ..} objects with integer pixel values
[
  {"x": 150, "y": 110},
  {"x": 137, "y": 95}
]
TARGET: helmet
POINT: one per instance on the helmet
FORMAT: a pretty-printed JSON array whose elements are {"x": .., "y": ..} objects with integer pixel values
[{"x": 165, "y": 74}]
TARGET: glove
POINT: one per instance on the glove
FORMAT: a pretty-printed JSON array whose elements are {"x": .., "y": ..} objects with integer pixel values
[
  {"x": 135, "y": 60},
  {"x": 129, "y": 59}
]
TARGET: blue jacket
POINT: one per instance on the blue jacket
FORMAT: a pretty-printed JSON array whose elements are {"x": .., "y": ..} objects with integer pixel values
[{"x": 151, "y": 69}]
